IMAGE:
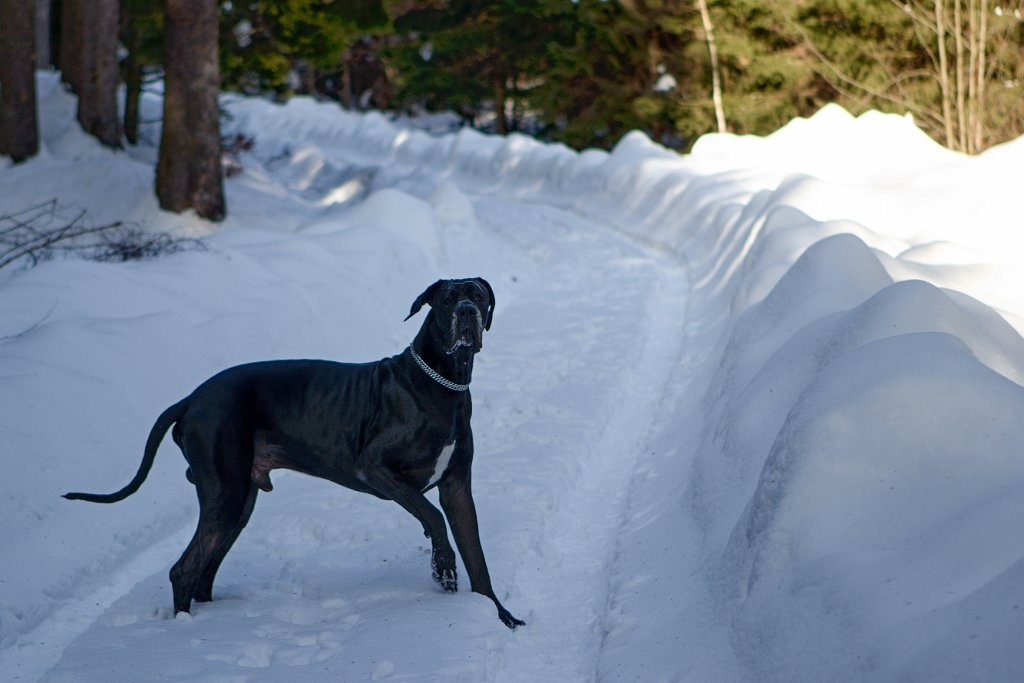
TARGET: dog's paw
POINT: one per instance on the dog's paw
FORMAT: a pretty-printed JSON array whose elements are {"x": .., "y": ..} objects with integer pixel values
[
  {"x": 447, "y": 580},
  {"x": 509, "y": 620},
  {"x": 443, "y": 566}
]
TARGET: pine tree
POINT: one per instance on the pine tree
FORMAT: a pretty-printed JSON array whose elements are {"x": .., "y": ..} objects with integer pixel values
[
  {"x": 475, "y": 57},
  {"x": 267, "y": 42},
  {"x": 583, "y": 73}
]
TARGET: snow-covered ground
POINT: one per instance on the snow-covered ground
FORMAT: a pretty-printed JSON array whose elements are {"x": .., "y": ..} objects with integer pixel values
[{"x": 750, "y": 414}]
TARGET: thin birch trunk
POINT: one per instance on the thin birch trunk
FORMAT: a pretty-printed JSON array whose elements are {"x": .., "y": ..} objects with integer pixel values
[
  {"x": 979, "y": 131},
  {"x": 947, "y": 104},
  {"x": 972, "y": 70},
  {"x": 958, "y": 43},
  {"x": 716, "y": 84}
]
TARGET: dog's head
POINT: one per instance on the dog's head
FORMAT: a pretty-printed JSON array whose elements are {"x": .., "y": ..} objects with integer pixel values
[{"x": 461, "y": 311}]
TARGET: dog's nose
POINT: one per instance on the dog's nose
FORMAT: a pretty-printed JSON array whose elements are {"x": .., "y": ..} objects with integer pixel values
[{"x": 465, "y": 310}]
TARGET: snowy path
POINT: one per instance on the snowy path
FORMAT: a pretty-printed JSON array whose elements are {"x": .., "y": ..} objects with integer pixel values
[
  {"x": 617, "y": 348},
  {"x": 785, "y": 449},
  {"x": 322, "y": 576}
]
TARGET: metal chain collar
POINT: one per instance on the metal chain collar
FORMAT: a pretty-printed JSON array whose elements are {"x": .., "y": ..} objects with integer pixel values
[{"x": 435, "y": 375}]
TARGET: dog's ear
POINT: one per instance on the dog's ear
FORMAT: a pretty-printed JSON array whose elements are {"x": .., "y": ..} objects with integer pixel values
[
  {"x": 490, "y": 306},
  {"x": 424, "y": 298}
]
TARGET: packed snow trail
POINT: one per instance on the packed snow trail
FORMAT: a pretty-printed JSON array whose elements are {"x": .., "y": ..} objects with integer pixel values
[
  {"x": 607, "y": 394},
  {"x": 565, "y": 392}
]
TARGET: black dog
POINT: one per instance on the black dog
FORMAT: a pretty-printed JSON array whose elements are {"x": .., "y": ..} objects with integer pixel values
[{"x": 394, "y": 428}]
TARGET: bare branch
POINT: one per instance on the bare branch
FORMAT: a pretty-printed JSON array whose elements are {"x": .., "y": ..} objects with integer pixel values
[
  {"x": 40, "y": 232},
  {"x": 911, "y": 105}
]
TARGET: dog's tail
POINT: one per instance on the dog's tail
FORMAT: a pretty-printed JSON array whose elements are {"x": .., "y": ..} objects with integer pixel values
[{"x": 156, "y": 435}]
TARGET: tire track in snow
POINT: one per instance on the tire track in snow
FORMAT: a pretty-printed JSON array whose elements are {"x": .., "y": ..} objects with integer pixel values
[
  {"x": 592, "y": 399},
  {"x": 32, "y": 655}
]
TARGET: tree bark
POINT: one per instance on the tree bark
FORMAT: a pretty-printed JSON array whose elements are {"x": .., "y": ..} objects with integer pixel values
[
  {"x": 70, "y": 57},
  {"x": 42, "y": 32},
  {"x": 19, "y": 131},
  {"x": 97, "y": 96},
  {"x": 189, "y": 174}
]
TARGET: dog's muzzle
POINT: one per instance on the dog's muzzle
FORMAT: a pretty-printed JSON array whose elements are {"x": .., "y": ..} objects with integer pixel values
[{"x": 467, "y": 327}]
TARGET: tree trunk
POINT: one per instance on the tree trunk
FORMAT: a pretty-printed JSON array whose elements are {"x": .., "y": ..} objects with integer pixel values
[
  {"x": 19, "y": 134},
  {"x": 308, "y": 79},
  {"x": 500, "y": 93},
  {"x": 42, "y": 31},
  {"x": 97, "y": 97},
  {"x": 958, "y": 43},
  {"x": 979, "y": 130},
  {"x": 346, "y": 81},
  {"x": 188, "y": 174},
  {"x": 972, "y": 70},
  {"x": 947, "y": 97},
  {"x": 716, "y": 83},
  {"x": 70, "y": 58},
  {"x": 132, "y": 70}
]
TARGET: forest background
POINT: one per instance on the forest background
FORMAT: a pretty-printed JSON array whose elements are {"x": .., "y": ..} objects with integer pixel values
[
  {"x": 582, "y": 72},
  {"x": 586, "y": 72}
]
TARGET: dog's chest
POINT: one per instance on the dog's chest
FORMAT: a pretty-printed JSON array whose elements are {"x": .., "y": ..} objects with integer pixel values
[{"x": 441, "y": 464}]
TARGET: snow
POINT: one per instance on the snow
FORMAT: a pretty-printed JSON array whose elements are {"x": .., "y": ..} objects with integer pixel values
[{"x": 753, "y": 413}]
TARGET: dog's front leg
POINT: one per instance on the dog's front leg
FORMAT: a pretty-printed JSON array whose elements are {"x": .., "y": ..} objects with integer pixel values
[
  {"x": 442, "y": 556},
  {"x": 457, "y": 503}
]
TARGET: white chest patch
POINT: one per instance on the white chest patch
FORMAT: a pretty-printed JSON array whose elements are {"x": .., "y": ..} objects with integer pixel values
[{"x": 442, "y": 464}]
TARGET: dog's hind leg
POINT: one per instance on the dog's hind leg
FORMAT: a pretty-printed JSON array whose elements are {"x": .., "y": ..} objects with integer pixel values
[
  {"x": 204, "y": 589},
  {"x": 220, "y": 464},
  {"x": 186, "y": 571},
  {"x": 220, "y": 522}
]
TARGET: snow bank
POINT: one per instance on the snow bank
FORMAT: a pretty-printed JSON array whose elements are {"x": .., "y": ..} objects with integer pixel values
[
  {"x": 875, "y": 457},
  {"x": 857, "y": 481}
]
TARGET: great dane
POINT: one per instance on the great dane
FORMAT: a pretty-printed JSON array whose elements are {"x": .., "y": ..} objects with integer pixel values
[{"x": 394, "y": 428}]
